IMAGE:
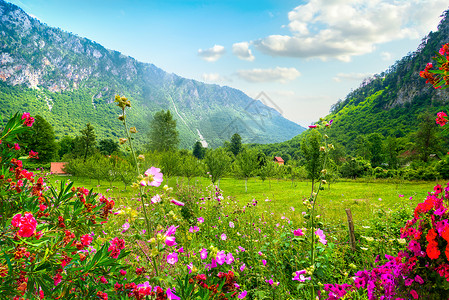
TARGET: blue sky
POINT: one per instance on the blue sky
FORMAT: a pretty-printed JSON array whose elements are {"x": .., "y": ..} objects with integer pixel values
[{"x": 304, "y": 54}]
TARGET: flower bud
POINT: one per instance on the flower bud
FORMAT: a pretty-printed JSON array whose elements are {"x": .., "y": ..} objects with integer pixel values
[
  {"x": 133, "y": 130},
  {"x": 122, "y": 141}
]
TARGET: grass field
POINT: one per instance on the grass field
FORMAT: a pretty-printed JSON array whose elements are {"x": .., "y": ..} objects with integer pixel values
[{"x": 278, "y": 197}]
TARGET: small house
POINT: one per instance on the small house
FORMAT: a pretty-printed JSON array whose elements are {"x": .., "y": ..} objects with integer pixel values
[
  {"x": 278, "y": 160},
  {"x": 57, "y": 168}
]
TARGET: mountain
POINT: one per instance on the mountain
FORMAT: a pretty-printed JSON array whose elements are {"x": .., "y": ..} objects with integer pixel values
[
  {"x": 70, "y": 80},
  {"x": 388, "y": 103}
]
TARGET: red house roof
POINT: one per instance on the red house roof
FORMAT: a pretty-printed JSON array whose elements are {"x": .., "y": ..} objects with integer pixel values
[
  {"x": 278, "y": 159},
  {"x": 56, "y": 167}
]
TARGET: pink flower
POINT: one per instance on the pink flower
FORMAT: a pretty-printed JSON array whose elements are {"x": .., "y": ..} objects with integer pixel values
[
  {"x": 170, "y": 241},
  {"x": 298, "y": 232},
  {"x": 203, "y": 253},
  {"x": 242, "y": 295},
  {"x": 194, "y": 229},
  {"x": 125, "y": 227},
  {"x": 57, "y": 279},
  {"x": 313, "y": 126},
  {"x": 200, "y": 220},
  {"x": 242, "y": 267},
  {"x": 241, "y": 249},
  {"x": 419, "y": 279},
  {"x": 264, "y": 262},
  {"x": 221, "y": 257},
  {"x": 172, "y": 258},
  {"x": 122, "y": 272},
  {"x": 27, "y": 224},
  {"x": 156, "y": 199},
  {"x": 33, "y": 154},
  {"x": 223, "y": 237},
  {"x": 322, "y": 237},
  {"x": 229, "y": 258},
  {"x": 29, "y": 120},
  {"x": 16, "y": 146},
  {"x": 171, "y": 295},
  {"x": 176, "y": 202},
  {"x": 414, "y": 294},
  {"x": 154, "y": 175},
  {"x": 103, "y": 280},
  {"x": 299, "y": 275},
  {"x": 86, "y": 240}
]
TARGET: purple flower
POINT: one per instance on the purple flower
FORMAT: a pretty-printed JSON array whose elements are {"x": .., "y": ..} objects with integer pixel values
[
  {"x": 264, "y": 262},
  {"x": 299, "y": 275}
]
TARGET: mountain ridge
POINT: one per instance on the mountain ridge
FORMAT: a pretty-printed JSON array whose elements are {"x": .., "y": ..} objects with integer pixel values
[{"x": 58, "y": 68}]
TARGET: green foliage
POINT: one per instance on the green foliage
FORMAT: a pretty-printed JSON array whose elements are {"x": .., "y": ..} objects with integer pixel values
[
  {"x": 87, "y": 140},
  {"x": 235, "y": 145},
  {"x": 355, "y": 168},
  {"x": 163, "y": 135},
  {"x": 198, "y": 150},
  {"x": 41, "y": 139},
  {"x": 310, "y": 149},
  {"x": 108, "y": 146},
  {"x": 217, "y": 163}
]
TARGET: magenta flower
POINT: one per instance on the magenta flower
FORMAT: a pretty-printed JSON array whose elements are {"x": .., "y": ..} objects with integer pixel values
[
  {"x": 203, "y": 253},
  {"x": 176, "y": 202},
  {"x": 241, "y": 249},
  {"x": 223, "y": 237},
  {"x": 172, "y": 258},
  {"x": 122, "y": 272},
  {"x": 194, "y": 229},
  {"x": 154, "y": 176},
  {"x": 322, "y": 237},
  {"x": 298, "y": 232},
  {"x": 200, "y": 220},
  {"x": 231, "y": 224},
  {"x": 264, "y": 262},
  {"x": 171, "y": 295},
  {"x": 242, "y": 267},
  {"x": 299, "y": 275},
  {"x": 242, "y": 295},
  {"x": 27, "y": 224},
  {"x": 125, "y": 227},
  {"x": 313, "y": 126},
  {"x": 16, "y": 146},
  {"x": 221, "y": 257},
  {"x": 229, "y": 258}
]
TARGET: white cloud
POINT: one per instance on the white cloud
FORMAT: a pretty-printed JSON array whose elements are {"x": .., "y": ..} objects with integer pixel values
[
  {"x": 352, "y": 76},
  {"x": 269, "y": 75},
  {"x": 214, "y": 77},
  {"x": 242, "y": 51},
  {"x": 343, "y": 28},
  {"x": 386, "y": 56},
  {"x": 212, "y": 54}
]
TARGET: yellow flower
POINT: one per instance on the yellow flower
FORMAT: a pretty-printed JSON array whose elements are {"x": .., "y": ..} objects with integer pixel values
[
  {"x": 133, "y": 130},
  {"x": 122, "y": 141}
]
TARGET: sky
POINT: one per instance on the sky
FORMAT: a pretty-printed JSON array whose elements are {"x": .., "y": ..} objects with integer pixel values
[{"x": 304, "y": 55}]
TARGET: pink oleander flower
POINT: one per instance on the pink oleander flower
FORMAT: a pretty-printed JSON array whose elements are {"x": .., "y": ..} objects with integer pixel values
[
  {"x": 16, "y": 147},
  {"x": 29, "y": 120},
  {"x": 172, "y": 258},
  {"x": 86, "y": 239},
  {"x": 33, "y": 154},
  {"x": 27, "y": 224},
  {"x": 122, "y": 272}
]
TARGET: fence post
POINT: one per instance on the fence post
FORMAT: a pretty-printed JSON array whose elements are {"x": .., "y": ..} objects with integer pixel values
[{"x": 351, "y": 228}]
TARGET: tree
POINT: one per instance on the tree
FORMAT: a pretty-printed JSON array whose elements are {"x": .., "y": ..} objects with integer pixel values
[
  {"x": 267, "y": 171},
  {"x": 108, "y": 146},
  {"x": 375, "y": 146},
  {"x": 163, "y": 134},
  {"x": 190, "y": 167},
  {"x": 427, "y": 137},
  {"x": 310, "y": 148},
  {"x": 87, "y": 140},
  {"x": 169, "y": 163},
  {"x": 246, "y": 162},
  {"x": 392, "y": 149},
  {"x": 65, "y": 145},
  {"x": 41, "y": 139},
  {"x": 236, "y": 144},
  {"x": 217, "y": 163},
  {"x": 198, "y": 150}
]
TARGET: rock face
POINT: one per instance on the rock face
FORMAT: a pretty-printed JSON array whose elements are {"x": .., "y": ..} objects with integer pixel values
[{"x": 56, "y": 70}]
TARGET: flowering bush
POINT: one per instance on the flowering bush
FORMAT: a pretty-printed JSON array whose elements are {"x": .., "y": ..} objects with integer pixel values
[{"x": 438, "y": 77}]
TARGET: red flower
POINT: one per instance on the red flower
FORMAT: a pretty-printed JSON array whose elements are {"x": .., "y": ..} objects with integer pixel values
[
  {"x": 29, "y": 120},
  {"x": 441, "y": 118},
  {"x": 33, "y": 154}
]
